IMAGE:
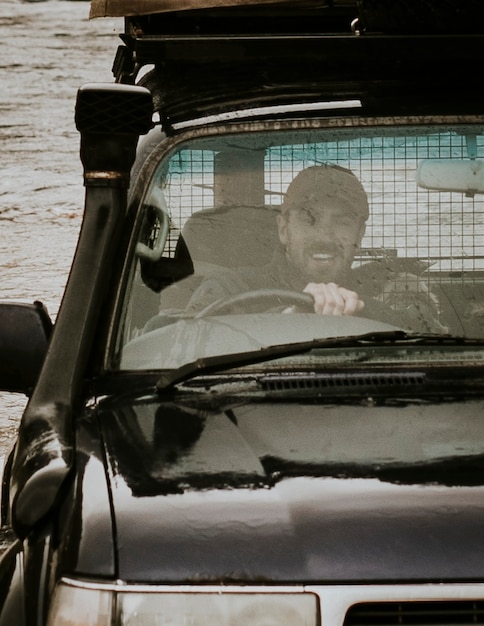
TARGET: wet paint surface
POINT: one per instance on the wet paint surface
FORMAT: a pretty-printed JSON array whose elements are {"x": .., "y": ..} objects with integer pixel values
[{"x": 183, "y": 482}]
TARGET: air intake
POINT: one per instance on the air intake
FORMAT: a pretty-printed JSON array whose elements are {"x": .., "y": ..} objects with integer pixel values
[{"x": 346, "y": 381}]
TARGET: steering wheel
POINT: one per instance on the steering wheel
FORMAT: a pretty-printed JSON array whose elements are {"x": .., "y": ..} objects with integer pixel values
[{"x": 260, "y": 300}]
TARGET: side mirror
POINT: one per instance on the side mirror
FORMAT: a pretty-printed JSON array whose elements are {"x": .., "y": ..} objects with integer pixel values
[{"x": 24, "y": 334}]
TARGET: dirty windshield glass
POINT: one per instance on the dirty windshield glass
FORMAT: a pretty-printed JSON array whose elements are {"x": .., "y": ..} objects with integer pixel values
[{"x": 253, "y": 240}]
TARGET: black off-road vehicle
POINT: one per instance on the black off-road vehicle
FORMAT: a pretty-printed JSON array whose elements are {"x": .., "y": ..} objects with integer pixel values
[{"x": 202, "y": 443}]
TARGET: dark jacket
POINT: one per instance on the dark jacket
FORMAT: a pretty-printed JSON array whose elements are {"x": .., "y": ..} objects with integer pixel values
[{"x": 394, "y": 291}]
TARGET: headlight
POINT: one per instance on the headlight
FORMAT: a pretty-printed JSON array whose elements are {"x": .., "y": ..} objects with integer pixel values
[
  {"x": 217, "y": 609},
  {"x": 74, "y": 605}
]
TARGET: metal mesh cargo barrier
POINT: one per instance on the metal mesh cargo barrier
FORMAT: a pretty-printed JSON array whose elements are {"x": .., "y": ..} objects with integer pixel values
[
  {"x": 444, "y": 229},
  {"x": 439, "y": 232}
]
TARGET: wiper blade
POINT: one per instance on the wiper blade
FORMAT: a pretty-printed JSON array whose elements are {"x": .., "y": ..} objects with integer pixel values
[{"x": 207, "y": 365}]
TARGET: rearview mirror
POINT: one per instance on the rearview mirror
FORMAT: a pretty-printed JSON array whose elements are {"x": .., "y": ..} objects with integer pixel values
[
  {"x": 452, "y": 175},
  {"x": 24, "y": 334}
]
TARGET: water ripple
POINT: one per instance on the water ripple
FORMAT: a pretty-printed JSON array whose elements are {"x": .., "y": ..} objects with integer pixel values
[{"x": 53, "y": 49}]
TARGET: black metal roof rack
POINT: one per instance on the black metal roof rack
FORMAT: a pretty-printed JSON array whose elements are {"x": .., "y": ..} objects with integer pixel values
[
  {"x": 203, "y": 17},
  {"x": 403, "y": 53}
]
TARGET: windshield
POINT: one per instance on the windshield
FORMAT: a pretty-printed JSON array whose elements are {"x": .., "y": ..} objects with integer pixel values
[{"x": 251, "y": 240}]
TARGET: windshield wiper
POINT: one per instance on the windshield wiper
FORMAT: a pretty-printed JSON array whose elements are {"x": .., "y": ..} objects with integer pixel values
[{"x": 207, "y": 365}]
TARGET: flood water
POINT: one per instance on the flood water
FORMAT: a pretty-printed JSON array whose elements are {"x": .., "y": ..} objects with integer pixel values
[{"x": 47, "y": 51}]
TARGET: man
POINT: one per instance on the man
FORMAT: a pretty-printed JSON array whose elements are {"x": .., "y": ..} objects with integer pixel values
[{"x": 320, "y": 228}]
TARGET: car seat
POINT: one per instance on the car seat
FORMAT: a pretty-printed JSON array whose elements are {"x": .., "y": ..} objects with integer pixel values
[{"x": 224, "y": 237}]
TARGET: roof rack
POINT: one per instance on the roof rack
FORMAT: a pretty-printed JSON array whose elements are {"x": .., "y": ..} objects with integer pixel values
[
  {"x": 216, "y": 59},
  {"x": 194, "y": 77},
  {"x": 236, "y": 16}
]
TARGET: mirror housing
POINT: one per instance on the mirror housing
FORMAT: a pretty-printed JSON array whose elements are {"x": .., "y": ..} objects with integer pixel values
[
  {"x": 25, "y": 330},
  {"x": 466, "y": 176}
]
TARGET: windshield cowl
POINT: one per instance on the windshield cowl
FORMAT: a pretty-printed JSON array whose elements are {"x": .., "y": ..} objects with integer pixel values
[{"x": 370, "y": 348}]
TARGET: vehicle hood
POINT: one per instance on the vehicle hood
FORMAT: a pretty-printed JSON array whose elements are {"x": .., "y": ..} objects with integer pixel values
[{"x": 197, "y": 497}]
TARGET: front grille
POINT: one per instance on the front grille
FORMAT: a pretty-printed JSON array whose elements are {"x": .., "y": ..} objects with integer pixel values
[{"x": 416, "y": 614}]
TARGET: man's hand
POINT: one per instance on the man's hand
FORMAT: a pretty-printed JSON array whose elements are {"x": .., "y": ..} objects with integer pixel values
[{"x": 331, "y": 299}]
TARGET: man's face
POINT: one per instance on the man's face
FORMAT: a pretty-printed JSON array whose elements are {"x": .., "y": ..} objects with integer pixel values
[{"x": 321, "y": 241}]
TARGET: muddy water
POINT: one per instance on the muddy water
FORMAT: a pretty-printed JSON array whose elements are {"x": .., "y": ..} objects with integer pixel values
[{"x": 47, "y": 51}]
